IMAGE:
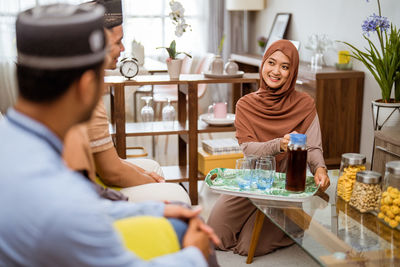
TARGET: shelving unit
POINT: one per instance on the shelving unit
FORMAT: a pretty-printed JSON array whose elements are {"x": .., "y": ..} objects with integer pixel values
[{"x": 187, "y": 127}]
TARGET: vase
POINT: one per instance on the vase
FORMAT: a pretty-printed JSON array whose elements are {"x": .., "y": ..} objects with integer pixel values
[
  {"x": 385, "y": 114},
  {"x": 231, "y": 67},
  {"x": 138, "y": 52},
  {"x": 174, "y": 67},
  {"x": 217, "y": 65},
  {"x": 317, "y": 61},
  {"x": 261, "y": 49}
]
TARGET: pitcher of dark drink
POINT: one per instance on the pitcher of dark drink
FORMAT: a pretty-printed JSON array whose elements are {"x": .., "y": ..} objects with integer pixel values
[{"x": 297, "y": 163}]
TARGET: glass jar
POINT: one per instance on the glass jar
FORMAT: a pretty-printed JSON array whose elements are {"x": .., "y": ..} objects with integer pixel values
[
  {"x": 367, "y": 191},
  {"x": 350, "y": 164},
  {"x": 390, "y": 200},
  {"x": 297, "y": 163}
]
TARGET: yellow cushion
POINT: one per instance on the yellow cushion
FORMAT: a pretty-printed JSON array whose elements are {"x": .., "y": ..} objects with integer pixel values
[
  {"x": 100, "y": 182},
  {"x": 148, "y": 237}
]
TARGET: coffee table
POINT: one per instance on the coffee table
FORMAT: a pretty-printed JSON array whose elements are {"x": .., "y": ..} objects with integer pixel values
[{"x": 331, "y": 231}]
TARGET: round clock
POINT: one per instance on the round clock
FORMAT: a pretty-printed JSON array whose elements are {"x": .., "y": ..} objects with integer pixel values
[{"x": 129, "y": 67}]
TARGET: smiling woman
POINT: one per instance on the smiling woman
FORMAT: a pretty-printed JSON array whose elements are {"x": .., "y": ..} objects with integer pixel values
[
  {"x": 263, "y": 121},
  {"x": 275, "y": 71}
]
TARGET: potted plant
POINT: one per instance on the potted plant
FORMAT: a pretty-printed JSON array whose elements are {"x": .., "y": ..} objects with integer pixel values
[
  {"x": 383, "y": 61},
  {"x": 262, "y": 42},
  {"x": 174, "y": 64}
]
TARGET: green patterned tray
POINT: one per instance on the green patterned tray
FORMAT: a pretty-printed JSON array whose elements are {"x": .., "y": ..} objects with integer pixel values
[{"x": 226, "y": 183}]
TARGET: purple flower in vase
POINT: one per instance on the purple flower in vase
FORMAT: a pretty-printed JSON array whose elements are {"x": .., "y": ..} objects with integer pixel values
[{"x": 375, "y": 22}]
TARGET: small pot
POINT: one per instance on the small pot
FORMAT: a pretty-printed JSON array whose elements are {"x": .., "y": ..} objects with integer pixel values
[
  {"x": 174, "y": 67},
  {"x": 385, "y": 113}
]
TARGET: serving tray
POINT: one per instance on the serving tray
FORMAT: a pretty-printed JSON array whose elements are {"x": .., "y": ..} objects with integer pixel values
[{"x": 223, "y": 181}]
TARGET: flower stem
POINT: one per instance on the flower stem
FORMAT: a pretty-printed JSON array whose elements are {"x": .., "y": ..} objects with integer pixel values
[{"x": 379, "y": 7}]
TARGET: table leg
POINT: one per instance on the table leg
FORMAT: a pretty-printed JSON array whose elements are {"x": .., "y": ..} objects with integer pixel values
[
  {"x": 182, "y": 117},
  {"x": 193, "y": 113},
  {"x": 119, "y": 117},
  {"x": 255, "y": 235}
]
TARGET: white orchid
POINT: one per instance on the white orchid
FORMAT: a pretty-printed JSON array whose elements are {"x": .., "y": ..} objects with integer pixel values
[{"x": 177, "y": 16}]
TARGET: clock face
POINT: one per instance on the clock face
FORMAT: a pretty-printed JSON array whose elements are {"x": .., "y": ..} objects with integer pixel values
[{"x": 129, "y": 68}]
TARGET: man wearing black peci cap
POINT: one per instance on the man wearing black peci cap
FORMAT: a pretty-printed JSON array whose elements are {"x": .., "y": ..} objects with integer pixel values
[
  {"x": 89, "y": 147},
  {"x": 50, "y": 215}
]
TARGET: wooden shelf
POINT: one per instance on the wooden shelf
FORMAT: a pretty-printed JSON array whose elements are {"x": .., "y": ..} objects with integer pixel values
[
  {"x": 205, "y": 128},
  {"x": 152, "y": 128},
  {"x": 166, "y": 128},
  {"x": 177, "y": 174}
]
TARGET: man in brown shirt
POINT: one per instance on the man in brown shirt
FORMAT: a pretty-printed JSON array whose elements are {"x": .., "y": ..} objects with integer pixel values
[{"x": 88, "y": 147}]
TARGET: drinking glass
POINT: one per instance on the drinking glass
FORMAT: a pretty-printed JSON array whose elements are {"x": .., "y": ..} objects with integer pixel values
[
  {"x": 147, "y": 111},
  {"x": 243, "y": 173},
  {"x": 265, "y": 172},
  {"x": 252, "y": 160},
  {"x": 168, "y": 114},
  {"x": 273, "y": 162}
]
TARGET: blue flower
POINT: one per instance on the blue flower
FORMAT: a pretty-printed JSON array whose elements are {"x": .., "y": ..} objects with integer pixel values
[{"x": 375, "y": 22}]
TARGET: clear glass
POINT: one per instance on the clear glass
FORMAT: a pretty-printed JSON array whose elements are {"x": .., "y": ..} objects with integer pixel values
[
  {"x": 264, "y": 174},
  {"x": 147, "y": 111},
  {"x": 272, "y": 160},
  {"x": 243, "y": 170},
  {"x": 168, "y": 114}
]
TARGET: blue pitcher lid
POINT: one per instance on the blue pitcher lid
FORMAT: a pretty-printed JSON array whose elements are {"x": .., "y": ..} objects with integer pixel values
[{"x": 298, "y": 139}]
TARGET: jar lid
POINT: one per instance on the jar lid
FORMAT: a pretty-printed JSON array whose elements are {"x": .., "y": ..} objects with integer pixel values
[
  {"x": 393, "y": 167},
  {"x": 368, "y": 177},
  {"x": 353, "y": 158},
  {"x": 298, "y": 139}
]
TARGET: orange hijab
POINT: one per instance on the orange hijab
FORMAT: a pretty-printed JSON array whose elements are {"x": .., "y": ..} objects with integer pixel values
[{"x": 271, "y": 113}]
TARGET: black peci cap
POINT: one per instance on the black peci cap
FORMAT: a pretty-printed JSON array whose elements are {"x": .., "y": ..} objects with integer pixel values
[
  {"x": 113, "y": 14},
  {"x": 61, "y": 36}
]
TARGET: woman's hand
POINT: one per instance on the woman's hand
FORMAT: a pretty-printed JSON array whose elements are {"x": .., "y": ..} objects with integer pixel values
[
  {"x": 321, "y": 178},
  {"x": 285, "y": 141}
]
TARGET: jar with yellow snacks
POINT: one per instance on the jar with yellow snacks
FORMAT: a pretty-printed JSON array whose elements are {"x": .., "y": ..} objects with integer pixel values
[
  {"x": 367, "y": 191},
  {"x": 350, "y": 164},
  {"x": 390, "y": 199}
]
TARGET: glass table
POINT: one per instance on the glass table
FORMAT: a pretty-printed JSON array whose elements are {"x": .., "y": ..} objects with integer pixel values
[{"x": 331, "y": 231}]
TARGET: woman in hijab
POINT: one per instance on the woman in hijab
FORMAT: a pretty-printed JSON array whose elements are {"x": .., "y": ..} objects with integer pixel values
[{"x": 263, "y": 122}]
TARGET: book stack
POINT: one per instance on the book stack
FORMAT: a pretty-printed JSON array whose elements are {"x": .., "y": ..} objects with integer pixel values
[{"x": 221, "y": 146}]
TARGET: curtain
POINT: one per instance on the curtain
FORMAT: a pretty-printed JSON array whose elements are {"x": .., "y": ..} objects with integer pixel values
[{"x": 217, "y": 27}]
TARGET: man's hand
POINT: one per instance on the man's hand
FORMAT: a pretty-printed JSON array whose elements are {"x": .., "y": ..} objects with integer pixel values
[
  {"x": 196, "y": 237},
  {"x": 321, "y": 177},
  {"x": 177, "y": 211},
  {"x": 156, "y": 177}
]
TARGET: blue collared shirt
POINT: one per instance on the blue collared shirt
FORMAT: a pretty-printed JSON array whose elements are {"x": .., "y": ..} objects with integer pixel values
[{"x": 52, "y": 216}]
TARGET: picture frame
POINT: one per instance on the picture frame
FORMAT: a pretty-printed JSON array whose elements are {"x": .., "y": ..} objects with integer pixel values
[{"x": 279, "y": 28}]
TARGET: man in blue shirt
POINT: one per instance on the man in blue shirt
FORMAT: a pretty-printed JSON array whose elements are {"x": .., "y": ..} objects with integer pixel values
[{"x": 50, "y": 215}]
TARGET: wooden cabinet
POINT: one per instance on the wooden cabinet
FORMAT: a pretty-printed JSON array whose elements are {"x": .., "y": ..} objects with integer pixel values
[
  {"x": 338, "y": 96},
  {"x": 387, "y": 148}
]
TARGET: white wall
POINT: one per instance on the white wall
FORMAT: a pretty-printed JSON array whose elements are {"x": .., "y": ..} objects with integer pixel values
[{"x": 340, "y": 20}]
